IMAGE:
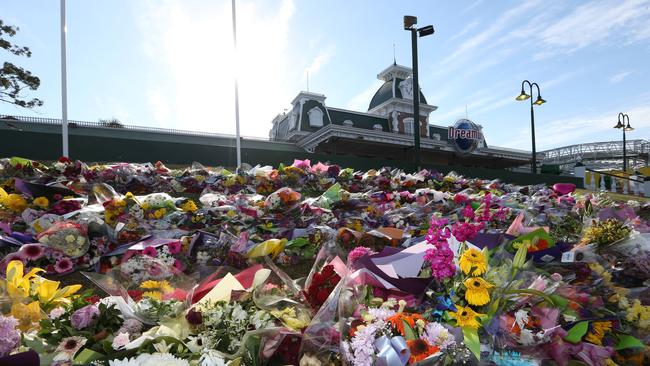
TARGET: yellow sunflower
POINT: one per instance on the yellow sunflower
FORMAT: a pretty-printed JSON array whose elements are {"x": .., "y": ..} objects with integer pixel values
[
  {"x": 477, "y": 291},
  {"x": 473, "y": 258},
  {"x": 466, "y": 317}
]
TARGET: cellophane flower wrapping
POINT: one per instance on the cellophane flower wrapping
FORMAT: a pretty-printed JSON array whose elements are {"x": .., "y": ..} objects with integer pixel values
[
  {"x": 71, "y": 238},
  {"x": 152, "y": 289}
]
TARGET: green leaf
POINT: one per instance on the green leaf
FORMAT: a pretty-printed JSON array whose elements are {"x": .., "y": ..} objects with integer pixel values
[
  {"x": 470, "y": 337},
  {"x": 559, "y": 301},
  {"x": 575, "y": 334},
  {"x": 86, "y": 356},
  {"x": 409, "y": 334},
  {"x": 627, "y": 341},
  {"x": 520, "y": 257}
]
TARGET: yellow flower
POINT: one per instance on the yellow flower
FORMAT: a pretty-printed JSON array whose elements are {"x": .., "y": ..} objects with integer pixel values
[
  {"x": 466, "y": 317},
  {"x": 41, "y": 202},
  {"x": 145, "y": 206},
  {"x": 598, "y": 332},
  {"x": 159, "y": 213},
  {"x": 292, "y": 320},
  {"x": 473, "y": 258},
  {"x": 153, "y": 295},
  {"x": 49, "y": 292},
  {"x": 18, "y": 285},
  {"x": 26, "y": 315},
  {"x": 477, "y": 291},
  {"x": 14, "y": 202},
  {"x": 163, "y": 286},
  {"x": 189, "y": 206}
]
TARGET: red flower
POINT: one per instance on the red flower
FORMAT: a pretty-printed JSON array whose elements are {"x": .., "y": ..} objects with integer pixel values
[
  {"x": 322, "y": 284},
  {"x": 94, "y": 299},
  {"x": 136, "y": 295}
]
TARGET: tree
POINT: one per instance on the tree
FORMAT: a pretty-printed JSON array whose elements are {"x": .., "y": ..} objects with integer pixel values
[
  {"x": 15, "y": 79},
  {"x": 111, "y": 122}
]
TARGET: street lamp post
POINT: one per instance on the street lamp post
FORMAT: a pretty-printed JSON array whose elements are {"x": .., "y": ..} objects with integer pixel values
[
  {"x": 621, "y": 124},
  {"x": 538, "y": 101},
  {"x": 409, "y": 25}
]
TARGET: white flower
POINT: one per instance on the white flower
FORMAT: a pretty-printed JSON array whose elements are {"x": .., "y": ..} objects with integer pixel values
[
  {"x": 195, "y": 344},
  {"x": 44, "y": 239},
  {"x": 239, "y": 314},
  {"x": 211, "y": 358},
  {"x": 120, "y": 341},
  {"x": 526, "y": 337},
  {"x": 70, "y": 239},
  {"x": 521, "y": 318},
  {"x": 81, "y": 240},
  {"x": 145, "y": 359},
  {"x": 56, "y": 313},
  {"x": 162, "y": 347}
]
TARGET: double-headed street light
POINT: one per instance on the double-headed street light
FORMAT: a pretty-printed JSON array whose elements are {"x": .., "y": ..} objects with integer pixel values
[
  {"x": 538, "y": 101},
  {"x": 410, "y": 25},
  {"x": 621, "y": 124}
]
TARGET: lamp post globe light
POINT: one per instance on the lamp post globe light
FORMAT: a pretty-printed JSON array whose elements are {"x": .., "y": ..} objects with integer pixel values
[
  {"x": 539, "y": 101},
  {"x": 621, "y": 125},
  {"x": 410, "y": 23}
]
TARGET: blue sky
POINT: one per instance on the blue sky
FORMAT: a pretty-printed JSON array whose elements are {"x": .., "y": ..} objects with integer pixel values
[{"x": 170, "y": 63}]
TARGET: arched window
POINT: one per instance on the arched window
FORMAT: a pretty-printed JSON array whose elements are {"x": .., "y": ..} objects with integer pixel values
[
  {"x": 408, "y": 126},
  {"x": 315, "y": 117}
]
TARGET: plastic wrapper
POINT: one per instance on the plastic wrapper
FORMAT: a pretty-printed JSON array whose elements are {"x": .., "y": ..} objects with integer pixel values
[
  {"x": 154, "y": 291},
  {"x": 68, "y": 237}
]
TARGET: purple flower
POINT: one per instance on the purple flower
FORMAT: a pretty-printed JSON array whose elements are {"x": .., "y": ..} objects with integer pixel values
[
  {"x": 150, "y": 251},
  {"x": 9, "y": 335},
  {"x": 32, "y": 251},
  {"x": 131, "y": 326},
  {"x": 84, "y": 317}
]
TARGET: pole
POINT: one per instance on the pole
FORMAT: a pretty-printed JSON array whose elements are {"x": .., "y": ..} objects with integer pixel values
[
  {"x": 234, "y": 37},
  {"x": 416, "y": 98},
  {"x": 64, "y": 83},
  {"x": 624, "y": 150},
  {"x": 532, "y": 128}
]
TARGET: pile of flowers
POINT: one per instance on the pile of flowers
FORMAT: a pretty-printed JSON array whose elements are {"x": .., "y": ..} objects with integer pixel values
[{"x": 314, "y": 264}]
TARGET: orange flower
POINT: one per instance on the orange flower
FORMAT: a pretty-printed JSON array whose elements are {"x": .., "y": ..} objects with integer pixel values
[
  {"x": 420, "y": 349},
  {"x": 397, "y": 321}
]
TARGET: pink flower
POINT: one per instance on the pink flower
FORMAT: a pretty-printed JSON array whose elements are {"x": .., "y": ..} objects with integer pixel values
[
  {"x": 150, "y": 251},
  {"x": 179, "y": 265},
  {"x": 120, "y": 341},
  {"x": 174, "y": 247},
  {"x": 63, "y": 265},
  {"x": 32, "y": 251},
  {"x": 302, "y": 164},
  {"x": 320, "y": 168},
  {"x": 357, "y": 253}
]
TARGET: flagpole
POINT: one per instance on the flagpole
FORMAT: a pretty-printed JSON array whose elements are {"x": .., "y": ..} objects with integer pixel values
[
  {"x": 64, "y": 83},
  {"x": 234, "y": 37}
]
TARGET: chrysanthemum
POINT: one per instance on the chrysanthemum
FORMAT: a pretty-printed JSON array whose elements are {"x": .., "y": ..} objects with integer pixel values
[
  {"x": 473, "y": 258},
  {"x": 477, "y": 291},
  {"x": 32, "y": 251},
  {"x": 41, "y": 202},
  {"x": 466, "y": 317},
  {"x": 420, "y": 349}
]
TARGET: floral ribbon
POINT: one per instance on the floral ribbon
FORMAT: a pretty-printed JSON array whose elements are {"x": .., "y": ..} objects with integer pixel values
[{"x": 392, "y": 352}]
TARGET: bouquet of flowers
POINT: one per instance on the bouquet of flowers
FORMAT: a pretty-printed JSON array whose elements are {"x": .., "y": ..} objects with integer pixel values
[{"x": 68, "y": 237}]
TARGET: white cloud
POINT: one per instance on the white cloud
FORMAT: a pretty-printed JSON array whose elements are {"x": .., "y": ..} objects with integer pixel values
[
  {"x": 617, "y": 78},
  {"x": 584, "y": 128},
  {"x": 598, "y": 22},
  {"x": 191, "y": 50},
  {"x": 323, "y": 57},
  {"x": 361, "y": 101},
  {"x": 472, "y": 6},
  {"x": 466, "y": 29}
]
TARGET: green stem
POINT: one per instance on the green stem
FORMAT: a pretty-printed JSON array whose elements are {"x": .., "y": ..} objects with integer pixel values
[{"x": 530, "y": 292}]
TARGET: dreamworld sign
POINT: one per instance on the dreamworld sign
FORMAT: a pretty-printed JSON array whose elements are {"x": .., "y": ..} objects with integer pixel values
[{"x": 465, "y": 135}]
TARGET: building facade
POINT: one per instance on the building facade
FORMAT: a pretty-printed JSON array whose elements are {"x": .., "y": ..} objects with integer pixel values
[{"x": 386, "y": 129}]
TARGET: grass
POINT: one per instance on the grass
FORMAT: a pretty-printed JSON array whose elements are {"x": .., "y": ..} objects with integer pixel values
[{"x": 617, "y": 196}]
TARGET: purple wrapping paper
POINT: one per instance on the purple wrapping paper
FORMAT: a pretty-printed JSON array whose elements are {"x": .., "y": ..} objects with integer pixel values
[
  {"x": 488, "y": 240},
  {"x": 555, "y": 251},
  {"x": 8, "y": 240},
  {"x": 40, "y": 190},
  {"x": 29, "y": 358},
  {"x": 414, "y": 286}
]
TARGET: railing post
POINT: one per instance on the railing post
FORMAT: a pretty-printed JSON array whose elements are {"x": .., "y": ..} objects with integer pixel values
[
  {"x": 579, "y": 172},
  {"x": 613, "y": 188},
  {"x": 602, "y": 183},
  {"x": 625, "y": 184},
  {"x": 635, "y": 185},
  {"x": 646, "y": 186}
]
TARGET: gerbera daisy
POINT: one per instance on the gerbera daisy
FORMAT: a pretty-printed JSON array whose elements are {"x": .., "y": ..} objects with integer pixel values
[
  {"x": 466, "y": 317},
  {"x": 398, "y": 320},
  {"x": 32, "y": 251},
  {"x": 477, "y": 291},
  {"x": 68, "y": 347},
  {"x": 420, "y": 349},
  {"x": 473, "y": 258}
]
